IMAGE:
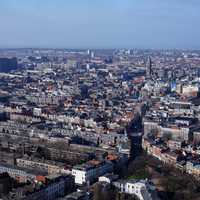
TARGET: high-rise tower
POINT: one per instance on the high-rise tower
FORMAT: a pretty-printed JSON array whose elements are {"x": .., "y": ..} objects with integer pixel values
[{"x": 149, "y": 71}]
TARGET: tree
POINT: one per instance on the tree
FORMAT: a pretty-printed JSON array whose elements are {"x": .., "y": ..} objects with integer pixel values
[
  {"x": 167, "y": 136},
  {"x": 153, "y": 133},
  {"x": 104, "y": 192}
]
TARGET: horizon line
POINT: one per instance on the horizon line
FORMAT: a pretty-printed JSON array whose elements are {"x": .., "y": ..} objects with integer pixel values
[{"x": 101, "y": 48}]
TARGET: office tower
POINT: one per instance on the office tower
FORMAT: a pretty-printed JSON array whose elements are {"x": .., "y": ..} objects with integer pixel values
[{"x": 149, "y": 68}]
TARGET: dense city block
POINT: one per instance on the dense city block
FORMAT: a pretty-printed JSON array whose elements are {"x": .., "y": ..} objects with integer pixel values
[{"x": 99, "y": 124}]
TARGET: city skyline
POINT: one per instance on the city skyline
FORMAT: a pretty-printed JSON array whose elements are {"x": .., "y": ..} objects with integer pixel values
[{"x": 77, "y": 24}]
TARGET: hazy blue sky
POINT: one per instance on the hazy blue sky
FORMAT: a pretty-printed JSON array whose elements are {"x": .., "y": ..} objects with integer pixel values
[{"x": 100, "y": 23}]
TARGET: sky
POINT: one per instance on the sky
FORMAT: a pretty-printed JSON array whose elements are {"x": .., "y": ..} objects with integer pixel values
[{"x": 100, "y": 23}]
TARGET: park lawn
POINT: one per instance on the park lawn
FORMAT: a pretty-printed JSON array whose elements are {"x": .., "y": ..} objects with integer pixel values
[{"x": 139, "y": 174}]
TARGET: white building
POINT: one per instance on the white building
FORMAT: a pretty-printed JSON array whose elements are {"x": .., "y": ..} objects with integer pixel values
[
  {"x": 142, "y": 189},
  {"x": 90, "y": 172},
  {"x": 37, "y": 111},
  {"x": 108, "y": 178}
]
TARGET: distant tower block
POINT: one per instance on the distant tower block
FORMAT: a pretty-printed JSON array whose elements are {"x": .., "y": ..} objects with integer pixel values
[
  {"x": 88, "y": 67},
  {"x": 88, "y": 51},
  {"x": 92, "y": 54},
  {"x": 149, "y": 71}
]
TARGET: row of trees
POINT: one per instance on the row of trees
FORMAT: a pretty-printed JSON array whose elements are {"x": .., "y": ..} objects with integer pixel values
[
  {"x": 107, "y": 192},
  {"x": 173, "y": 184}
]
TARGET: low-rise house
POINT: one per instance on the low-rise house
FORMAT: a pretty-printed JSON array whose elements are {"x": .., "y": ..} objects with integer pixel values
[
  {"x": 193, "y": 168},
  {"x": 46, "y": 166},
  {"x": 160, "y": 151},
  {"x": 21, "y": 174},
  {"x": 170, "y": 157},
  {"x": 54, "y": 188},
  {"x": 175, "y": 144}
]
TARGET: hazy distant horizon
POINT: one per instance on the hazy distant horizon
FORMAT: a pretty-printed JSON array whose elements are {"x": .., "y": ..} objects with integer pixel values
[
  {"x": 99, "y": 48},
  {"x": 108, "y": 24}
]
